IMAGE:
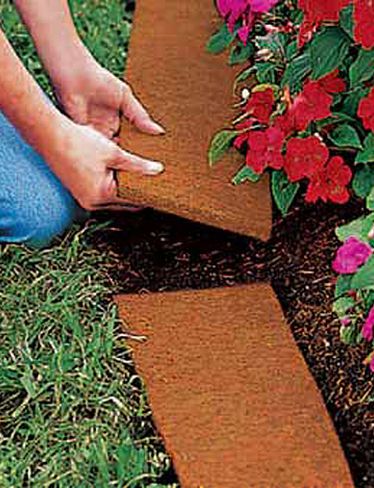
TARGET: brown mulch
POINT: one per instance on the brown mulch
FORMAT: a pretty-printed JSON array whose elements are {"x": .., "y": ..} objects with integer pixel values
[{"x": 158, "y": 252}]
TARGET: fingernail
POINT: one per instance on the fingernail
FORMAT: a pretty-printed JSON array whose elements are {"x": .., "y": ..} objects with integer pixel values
[
  {"x": 158, "y": 128},
  {"x": 154, "y": 167}
]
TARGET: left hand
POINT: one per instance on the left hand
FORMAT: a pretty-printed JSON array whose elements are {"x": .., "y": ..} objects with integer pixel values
[{"x": 93, "y": 96}]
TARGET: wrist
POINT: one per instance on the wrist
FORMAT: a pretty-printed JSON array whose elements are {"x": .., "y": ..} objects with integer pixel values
[
  {"x": 52, "y": 135},
  {"x": 69, "y": 68},
  {"x": 55, "y": 36}
]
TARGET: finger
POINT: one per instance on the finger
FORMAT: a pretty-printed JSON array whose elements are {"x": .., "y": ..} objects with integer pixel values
[
  {"x": 118, "y": 208},
  {"x": 126, "y": 161},
  {"x": 104, "y": 130},
  {"x": 114, "y": 202},
  {"x": 104, "y": 120},
  {"x": 137, "y": 114}
]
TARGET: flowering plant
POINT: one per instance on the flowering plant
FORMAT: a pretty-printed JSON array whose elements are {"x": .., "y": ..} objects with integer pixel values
[
  {"x": 307, "y": 108},
  {"x": 307, "y": 118},
  {"x": 354, "y": 292}
]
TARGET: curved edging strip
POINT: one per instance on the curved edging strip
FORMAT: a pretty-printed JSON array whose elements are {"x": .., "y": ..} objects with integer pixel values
[
  {"x": 189, "y": 91},
  {"x": 230, "y": 391}
]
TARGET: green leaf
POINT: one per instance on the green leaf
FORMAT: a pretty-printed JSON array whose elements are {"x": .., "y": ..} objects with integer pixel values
[
  {"x": 328, "y": 50},
  {"x": 346, "y": 20},
  {"x": 273, "y": 42},
  {"x": 345, "y": 136},
  {"x": 370, "y": 200},
  {"x": 335, "y": 118},
  {"x": 220, "y": 40},
  {"x": 364, "y": 278},
  {"x": 240, "y": 53},
  {"x": 266, "y": 72},
  {"x": 367, "y": 154},
  {"x": 342, "y": 305},
  {"x": 246, "y": 73},
  {"x": 349, "y": 335},
  {"x": 369, "y": 300},
  {"x": 284, "y": 191},
  {"x": 343, "y": 284},
  {"x": 245, "y": 174},
  {"x": 291, "y": 50},
  {"x": 351, "y": 101},
  {"x": 296, "y": 72},
  {"x": 363, "y": 68},
  {"x": 363, "y": 181},
  {"x": 359, "y": 228},
  {"x": 221, "y": 142}
]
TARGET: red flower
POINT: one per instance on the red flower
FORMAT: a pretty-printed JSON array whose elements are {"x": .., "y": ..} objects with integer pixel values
[
  {"x": 265, "y": 149},
  {"x": 331, "y": 83},
  {"x": 366, "y": 111},
  {"x": 286, "y": 123},
  {"x": 313, "y": 103},
  {"x": 330, "y": 182},
  {"x": 260, "y": 105},
  {"x": 306, "y": 32},
  {"x": 305, "y": 157},
  {"x": 242, "y": 138},
  {"x": 318, "y": 11},
  {"x": 364, "y": 22}
]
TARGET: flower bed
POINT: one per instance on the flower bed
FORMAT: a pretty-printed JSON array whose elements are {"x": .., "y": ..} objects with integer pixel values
[{"x": 307, "y": 118}]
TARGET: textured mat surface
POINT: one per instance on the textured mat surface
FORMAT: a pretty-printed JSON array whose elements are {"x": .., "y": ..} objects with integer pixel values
[
  {"x": 230, "y": 391},
  {"x": 190, "y": 92}
]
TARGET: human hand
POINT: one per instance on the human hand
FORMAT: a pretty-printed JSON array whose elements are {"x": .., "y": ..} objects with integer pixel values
[
  {"x": 91, "y": 95},
  {"x": 85, "y": 161}
]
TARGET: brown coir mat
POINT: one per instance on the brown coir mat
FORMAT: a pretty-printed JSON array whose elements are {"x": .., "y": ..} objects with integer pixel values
[
  {"x": 190, "y": 92},
  {"x": 230, "y": 392}
]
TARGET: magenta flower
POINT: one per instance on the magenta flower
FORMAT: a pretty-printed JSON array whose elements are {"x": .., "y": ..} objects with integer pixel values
[
  {"x": 368, "y": 328},
  {"x": 232, "y": 11},
  {"x": 345, "y": 321},
  {"x": 244, "y": 11},
  {"x": 262, "y": 6},
  {"x": 351, "y": 255}
]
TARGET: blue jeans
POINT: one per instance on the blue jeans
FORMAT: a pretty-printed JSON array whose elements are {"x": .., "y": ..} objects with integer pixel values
[{"x": 34, "y": 206}]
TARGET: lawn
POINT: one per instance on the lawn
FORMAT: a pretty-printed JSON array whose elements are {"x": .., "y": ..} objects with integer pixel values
[{"x": 73, "y": 412}]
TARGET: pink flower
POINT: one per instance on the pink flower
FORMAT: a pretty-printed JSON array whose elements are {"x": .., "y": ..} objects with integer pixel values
[
  {"x": 243, "y": 11},
  {"x": 368, "y": 328},
  {"x": 345, "y": 321},
  {"x": 232, "y": 10},
  {"x": 351, "y": 255},
  {"x": 262, "y": 6}
]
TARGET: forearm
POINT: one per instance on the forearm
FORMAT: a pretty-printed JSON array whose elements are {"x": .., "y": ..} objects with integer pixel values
[
  {"x": 23, "y": 102},
  {"x": 56, "y": 39}
]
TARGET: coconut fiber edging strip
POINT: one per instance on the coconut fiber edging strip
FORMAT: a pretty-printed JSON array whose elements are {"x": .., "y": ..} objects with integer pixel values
[
  {"x": 230, "y": 392},
  {"x": 189, "y": 92}
]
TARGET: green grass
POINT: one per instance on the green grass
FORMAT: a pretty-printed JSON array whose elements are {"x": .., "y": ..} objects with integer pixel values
[
  {"x": 104, "y": 25},
  {"x": 73, "y": 412}
]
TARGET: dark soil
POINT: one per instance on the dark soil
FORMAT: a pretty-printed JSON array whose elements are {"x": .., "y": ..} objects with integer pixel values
[{"x": 158, "y": 252}]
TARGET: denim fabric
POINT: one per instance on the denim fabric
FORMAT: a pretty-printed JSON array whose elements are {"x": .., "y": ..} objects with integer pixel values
[{"x": 34, "y": 206}]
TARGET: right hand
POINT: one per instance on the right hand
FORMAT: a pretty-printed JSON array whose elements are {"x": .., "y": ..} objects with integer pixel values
[{"x": 85, "y": 161}]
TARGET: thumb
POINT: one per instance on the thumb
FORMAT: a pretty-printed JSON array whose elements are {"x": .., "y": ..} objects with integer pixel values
[{"x": 126, "y": 161}]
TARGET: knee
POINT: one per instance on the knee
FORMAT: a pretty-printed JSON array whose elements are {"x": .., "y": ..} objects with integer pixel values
[{"x": 36, "y": 223}]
